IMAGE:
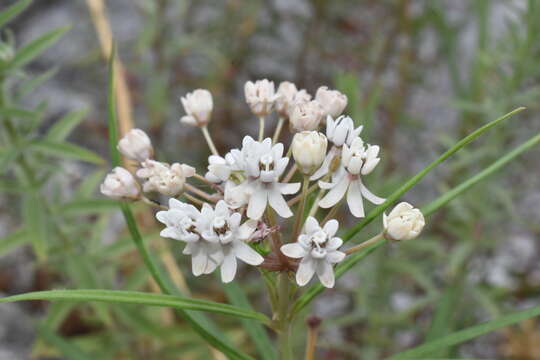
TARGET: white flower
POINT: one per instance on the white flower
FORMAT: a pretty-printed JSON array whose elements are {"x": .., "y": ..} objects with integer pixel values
[
  {"x": 264, "y": 165},
  {"x": 260, "y": 96},
  {"x": 306, "y": 116},
  {"x": 120, "y": 184},
  {"x": 332, "y": 101},
  {"x": 309, "y": 150},
  {"x": 164, "y": 178},
  {"x": 317, "y": 247},
  {"x": 136, "y": 145},
  {"x": 221, "y": 168},
  {"x": 356, "y": 160},
  {"x": 288, "y": 96},
  {"x": 403, "y": 223},
  {"x": 222, "y": 227},
  {"x": 340, "y": 131},
  {"x": 181, "y": 224},
  {"x": 235, "y": 196},
  {"x": 198, "y": 106}
]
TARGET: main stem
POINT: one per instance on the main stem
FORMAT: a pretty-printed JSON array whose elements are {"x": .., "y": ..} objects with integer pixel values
[
  {"x": 284, "y": 321},
  {"x": 261, "y": 128}
]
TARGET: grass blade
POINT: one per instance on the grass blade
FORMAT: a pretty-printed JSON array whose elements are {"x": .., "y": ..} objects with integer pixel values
[
  {"x": 468, "y": 334},
  {"x": 140, "y": 298},
  {"x": 13, "y": 11},
  {"x": 67, "y": 150},
  {"x": 12, "y": 241},
  {"x": 63, "y": 127},
  {"x": 17, "y": 113},
  {"x": 32, "y": 50},
  {"x": 415, "y": 179},
  {"x": 256, "y": 331}
]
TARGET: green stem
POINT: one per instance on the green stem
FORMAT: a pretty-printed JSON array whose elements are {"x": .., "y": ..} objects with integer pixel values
[
  {"x": 300, "y": 215},
  {"x": 275, "y": 138},
  {"x": 284, "y": 322}
]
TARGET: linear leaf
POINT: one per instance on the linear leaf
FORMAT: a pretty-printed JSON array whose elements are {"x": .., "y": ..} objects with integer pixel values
[
  {"x": 12, "y": 241},
  {"x": 468, "y": 334},
  {"x": 67, "y": 150},
  {"x": 33, "y": 49},
  {"x": 17, "y": 112},
  {"x": 88, "y": 206},
  {"x": 63, "y": 127},
  {"x": 13, "y": 11},
  {"x": 415, "y": 179},
  {"x": 140, "y": 298},
  {"x": 28, "y": 86}
]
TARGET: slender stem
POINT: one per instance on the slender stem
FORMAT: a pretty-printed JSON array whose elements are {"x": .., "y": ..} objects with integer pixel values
[
  {"x": 332, "y": 212},
  {"x": 193, "y": 199},
  {"x": 300, "y": 215},
  {"x": 261, "y": 128},
  {"x": 290, "y": 174},
  {"x": 276, "y": 235},
  {"x": 200, "y": 193},
  {"x": 153, "y": 203},
  {"x": 313, "y": 330},
  {"x": 283, "y": 317},
  {"x": 366, "y": 243},
  {"x": 315, "y": 205},
  {"x": 207, "y": 182},
  {"x": 279, "y": 126},
  {"x": 297, "y": 198},
  {"x": 208, "y": 138}
]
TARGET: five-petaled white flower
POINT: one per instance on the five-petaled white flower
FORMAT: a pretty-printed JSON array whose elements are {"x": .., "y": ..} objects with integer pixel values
[
  {"x": 404, "y": 222},
  {"x": 264, "y": 165},
  {"x": 221, "y": 226},
  {"x": 339, "y": 132},
  {"x": 136, "y": 145},
  {"x": 120, "y": 185},
  {"x": 164, "y": 178},
  {"x": 318, "y": 249},
  {"x": 260, "y": 96},
  {"x": 181, "y": 224},
  {"x": 356, "y": 160},
  {"x": 198, "y": 106}
]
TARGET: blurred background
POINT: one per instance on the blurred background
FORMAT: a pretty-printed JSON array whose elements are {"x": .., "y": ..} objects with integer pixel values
[{"x": 419, "y": 75}]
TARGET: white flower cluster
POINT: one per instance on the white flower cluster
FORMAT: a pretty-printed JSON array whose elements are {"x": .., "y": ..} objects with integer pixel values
[{"x": 251, "y": 184}]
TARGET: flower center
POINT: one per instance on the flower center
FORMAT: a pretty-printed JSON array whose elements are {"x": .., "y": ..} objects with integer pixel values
[{"x": 266, "y": 162}]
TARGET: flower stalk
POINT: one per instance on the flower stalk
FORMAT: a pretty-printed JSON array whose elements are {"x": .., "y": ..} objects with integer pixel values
[
  {"x": 209, "y": 140},
  {"x": 365, "y": 244}
]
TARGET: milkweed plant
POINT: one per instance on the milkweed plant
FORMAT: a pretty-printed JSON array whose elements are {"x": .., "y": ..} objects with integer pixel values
[{"x": 250, "y": 208}]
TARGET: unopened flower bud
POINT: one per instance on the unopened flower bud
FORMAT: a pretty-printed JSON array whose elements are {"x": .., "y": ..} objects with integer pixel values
[
  {"x": 287, "y": 96},
  {"x": 309, "y": 150},
  {"x": 164, "y": 178},
  {"x": 120, "y": 185},
  {"x": 403, "y": 223},
  {"x": 260, "y": 96},
  {"x": 332, "y": 101},
  {"x": 198, "y": 106},
  {"x": 306, "y": 116},
  {"x": 136, "y": 145}
]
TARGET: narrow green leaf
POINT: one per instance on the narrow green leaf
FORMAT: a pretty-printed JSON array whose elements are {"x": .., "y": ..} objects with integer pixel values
[
  {"x": 67, "y": 348},
  {"x": 89, "y": 206},
  {"x": 30, "y": 51},
  {"x": 36, "y": 224},
  {"x": 415, "y": 179},
  {"x": 139, "y": 298},
  {"x": 13, "y": 11},
  {"x": 12, "y": 241},
  {"x": 63, "y": 127},
  {"x": 28, "y": 86},
  {"x": 256, "y": 331},
  {"x": 468, "y": 334},
  {"x": 7, "y": 157},
  {"x": 17, "y": 113},
  {"x": 464, "y": 186},
  {"x": 66, "y": 150}
]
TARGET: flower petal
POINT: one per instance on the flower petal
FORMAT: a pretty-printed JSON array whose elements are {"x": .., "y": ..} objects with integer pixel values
[
  {"x": 257, "y": 203},
  {"x": 245, "y": 253},
  {"x": 370, "y": 196},
  {"x": 331, "y": 227},
  {"x": 354, "y": 199},
  {"x": 228, "y": 268},
  {"x": 289, "y": 189},
  {"x": 335, "y": 256},
  {"x": 278, "y": 203},
  {"x": 305, "y": 271},
  {"x": 311, "y": 225},
  {"x": 325, "y": 272},
  {"x": 246, "y": 229},
  {"x": 294, "y": 250},
  {"x": 336, "y": 194},
  {"x": 199, "y": 261}
]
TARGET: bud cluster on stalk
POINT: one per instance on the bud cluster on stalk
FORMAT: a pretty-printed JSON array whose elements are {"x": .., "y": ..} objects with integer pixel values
[{"x": 237, "y": 208}]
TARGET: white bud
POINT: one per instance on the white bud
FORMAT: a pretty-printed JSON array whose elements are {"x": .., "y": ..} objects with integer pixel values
[
  {"x": 260, "y": 96},
  {"x": 136, "y": 145},
  {"x": 306, "y": 116},
  {"x": 403, "y": 223},
  {"x": 120, "y": 185},
  {"x": 198, "y": 106},
  {"x": 332, "y": 101},
  {"x": 288, "y": 96},
  {"x": 309, "y": 150},
  {"x": 164, "y": 178}
]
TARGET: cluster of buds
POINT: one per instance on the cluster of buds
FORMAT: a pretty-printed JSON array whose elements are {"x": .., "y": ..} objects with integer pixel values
[{"x": 260, "y": 179}]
